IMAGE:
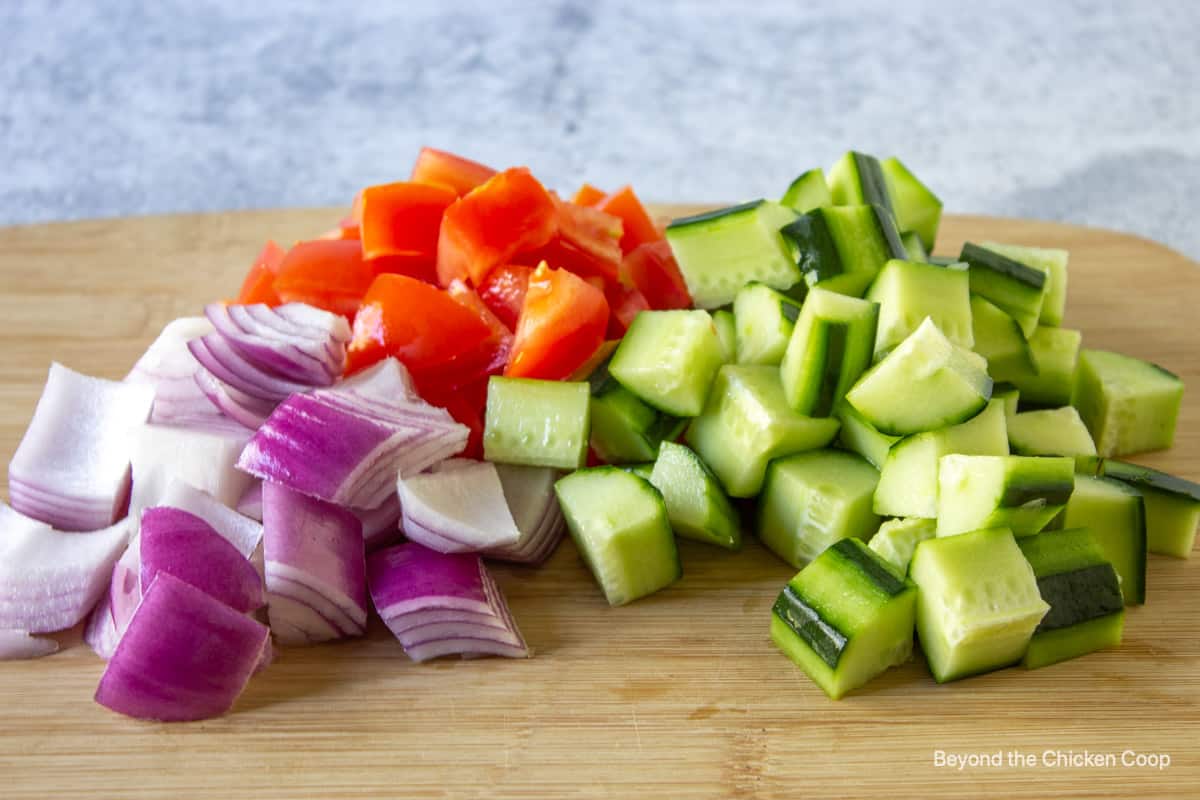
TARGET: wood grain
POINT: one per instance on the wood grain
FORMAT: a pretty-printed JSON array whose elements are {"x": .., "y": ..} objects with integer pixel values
[{"x": 680, "y": 695}]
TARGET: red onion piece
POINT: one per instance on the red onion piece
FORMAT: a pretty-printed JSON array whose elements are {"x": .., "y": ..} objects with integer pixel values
[
  {"x": 270, "y": 347},
  {"x": 380, "y": 525},
  {"x": 20, "y": 645},
  {"x": 387, "y": 381},
  {"x": 169, "y": 369},
  {"x": 49, "y": 579},
  {"x": 244, "y": 533},
  {"x": 186, "y": 656},
  {"x": 250, "y": 503},
  {"x": 249, "y": 412},
  {"x": 439, "y": 604},
  {"x": 464, "y": 505},
  {"x": 204, "y": 458},
  {"x": 71, "y": 469},
  {"x": 315, "y": 560},
  {"x": 181, "y": 544},
  {"x": 529, "y": 492},
  {"x": 326, "y": 445},
  {"x": 316, "y": 319},
  {"x": 230, "y": 366}
]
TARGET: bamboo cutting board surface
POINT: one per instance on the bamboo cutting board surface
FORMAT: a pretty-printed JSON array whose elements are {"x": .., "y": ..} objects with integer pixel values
[{"x": 679, "y": 695}]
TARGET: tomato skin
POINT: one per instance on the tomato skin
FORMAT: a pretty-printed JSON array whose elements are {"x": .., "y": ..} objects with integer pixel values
[
  {"x": 625, "y": 303},
  {"x": 504, "y": 292},
  {"x": 326, "y": 273},
  {"x": 561, "y": 325},
  {"x": 258, "y": 286},
  {"x": 652, "y": 269},
  {"x": 586, "y": 241},
  {"x": 399, "y": 227},
  {"x": 439, "y": 168},
  {"x": 637, "y": 226},
  {"x": 512, "y": 212},
  {"x": 588, "y": 195}
]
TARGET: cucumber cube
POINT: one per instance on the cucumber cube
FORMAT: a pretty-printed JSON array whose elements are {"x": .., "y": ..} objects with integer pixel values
[
  {"x": 925, "y": 383},
  {"x": 917, "y": 209},
  {"x": 1116, "y": 516},
  {"x": 747, "y": 423},
  {"x": 1129, "y": 405},
  {"x": 807, "y": 192},
  {"x": 626, "y": 430},
  {"x": 1018, "y": 290},
  {"x": 1172, "y": 504},
  {"x": 859, "y": 436},
  {"x": 1083, "y": 590},
  {"x": 619, "y": 523},
  {"x": 829, "y": 348},
  {"x": 668, "y": 359},
  {"x": 845, "y": 618},
  {"x": 1021, "y": 493},
  {"x": 537, "y": 423},
  {"x": 1050, "y": 261},
  {"x": 842, "y": 248},
  {"x": 857, "y": 179},
  {"x": 897, "y": 539},
  {"x": 977, "y": 602},
  {"x": 764, "y": 320},
  {"x": 1000, "y": 340},
  {"x": 696, "y": 506},
  {"x": 1050, "y": 432},
  {"x": 811, "y": 500},
  {"x": 1056, "y": 354},
  {"x": 908, "y": 293},
  {"x": 914, "y": 248}
]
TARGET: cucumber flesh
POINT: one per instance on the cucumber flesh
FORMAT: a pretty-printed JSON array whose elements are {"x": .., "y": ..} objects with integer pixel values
[
  {"x": 807, "y": 192},
  {"x": 536, "y": 423},
  {"x": 1050, "y": 432},
  {"x": 811, "y": 500},
  {"x": 999, "y": 339},
  {"x": 845, "y": 618},
  {"x": 623, "y": 428},
  {"x": 726, "y": 328},
  {"x": 720, "y": 252},
  {"x": 897, "y": 539},
  {"x": 859, "y": 436},
  {"x": 917, "y": 209},
  {"x": 1115, "y": 515},
  {"x": 924, "y": 384},
  {"x": 1172, "y": 504},
  {"x": 668, "y": 359},
  {"x": 1009, "y": 395},
  {"x": 619, "y": 523},
  {"x": 1020, "y": 493},
  {"x": 1129, "y": 405},
  {"x": 842, "y": 248},
  {"x": 1017, "y": 289},
  {"x": 1055, "y": 353},
  {"x": 696, "y": 506},
  {"x": 829, "y": 349},
  {"x": 909, "y": 292},
  {"x": 1050, "y": 261},
  {"x": 747, "y": 422},
  {"x": 764, "y": 320},
  {"x": 914, "y": 248},
  {"x": 857, "y": 179},
  {"x": 977, "y": 602}
]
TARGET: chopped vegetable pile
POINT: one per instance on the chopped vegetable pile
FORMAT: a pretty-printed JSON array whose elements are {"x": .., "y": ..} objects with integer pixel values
[{"x": 468, "y": 366}]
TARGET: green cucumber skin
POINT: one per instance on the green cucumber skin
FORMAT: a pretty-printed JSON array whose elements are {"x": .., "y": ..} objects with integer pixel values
[
  {"x": 1079, "y": 596},
  {"x": 974, "y": 255},
  {"x": 709, "y": 216},
  {"x": 917, "y": 209},
  {"x": 808, "y": 191},
  {"x": 891, "y": 236},
  {"x": 866, "y": 561},
  {"x": 806, "y": 622},
  {"x": 819, "y": 257},
  {"x": 831, "y": 389}
]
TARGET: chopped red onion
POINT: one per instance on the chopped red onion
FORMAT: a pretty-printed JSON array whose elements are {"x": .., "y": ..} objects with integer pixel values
[
  {"x": 348, "y": 450},
  {"x": 182, "y": 544},
  {"x": 241, "y": 531},
  {"x": 381, "y": 525},
  {"x": 250, "y": 503},
  {"x": 315, "y": 567},
  {"x": 249, "y": 412},
  {"x": 169, "y": 368},
  {"x": 186, "y": 656},
  {"x": 20, "y": 645},
  {"x": 71, "y": 469},
  {"x": 388, "y": 381},
  {"x": 463, "y": 506},
  {"x": 204, "y": 458},
  {"x": 440, "y": 604},
  {"x": 529, "y": 492},
  {"x": 286, "y": 353},
  {"x": 50, "y": 579}
]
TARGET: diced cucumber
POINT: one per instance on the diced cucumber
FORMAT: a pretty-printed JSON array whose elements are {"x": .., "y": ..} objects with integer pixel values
[
  {"x": 1086, "y": 612},
  {"x": 1129, "y": 405},
  {"x": 696, "y": 506},
  {"x": 537, "y": 423},
  {"x": 1056, "y": 353},
  {"x": 747, "y": 422},
  {"x": 619, "y": 523},
  {"x": 1050, "y": 432},
  {"x": 668, "y": 359},
  {"x": 1050, "y": 261},
  {"x": 999, "y": 339},
  {"x": 1018, "y": 290},
  {"x": 726, "y": 328},
  {"x": 1021, "y": 493},
  {"x": 1009, "y": 395},
  {"x": 917, "y": 209},
  {"x": 908, "y": 482},
  {"x": 1172, "y": 504},
  {"x": 845, "y": 618},
  {"x": 859, "y": 436},
  {"x": 764, "y": 322},
  {"x": 977, "y": 602},
  {"x": 857, "y": 179},
  {"x": 1115, "y": 515},
  {"x": 914, "y": 248},
  {"x": 830, "y": 347},
  {"x": 842, "y": 248},
  {"x": 811, "y": 500},
  {"x": 644, "y": 470},
  {"x": 896, "y": 539},
  {"x": 807, "y": 192},
  {"x": 925, "y": 383},
  {"x": 720, "y": 252},
  {"x": 623, "y": 428},
  {"x": 908, "y": 293}
]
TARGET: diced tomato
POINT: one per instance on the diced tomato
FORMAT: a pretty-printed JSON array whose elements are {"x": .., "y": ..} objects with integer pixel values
[
  {"x": 423, "y": 326},
  {"x": 326, "y": 273},
  {"x": 597, "y": 358},
  {"x": 651, "y": 268},
  {"x": 637, "y": 227},
  {"x": 561, "y": 324},
  {"x": 258, "y": 287},
  {"x": 503, "y": 291},
  {"x": 586, "y": 242},
  {"x": 624, "y": 303},
  {"x": 510, "y": 213},
  {"x": 588, "y": 195},
  {"x": 466, "y": 297},
  {"x": 400, "y": 223},
  {"x": 341, "y": 232},
  {"x": 439, "y": 168},
  {"x": 467, "y": 413}
]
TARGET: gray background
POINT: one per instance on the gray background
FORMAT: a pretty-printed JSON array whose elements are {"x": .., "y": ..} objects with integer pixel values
[{"x": 1085, "y": 112}]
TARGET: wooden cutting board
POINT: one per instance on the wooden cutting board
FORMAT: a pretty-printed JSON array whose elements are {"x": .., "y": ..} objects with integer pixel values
[{"x": 679, "y": 695}]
